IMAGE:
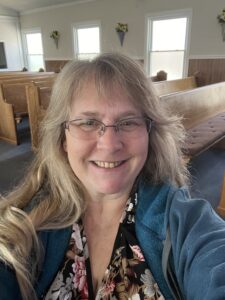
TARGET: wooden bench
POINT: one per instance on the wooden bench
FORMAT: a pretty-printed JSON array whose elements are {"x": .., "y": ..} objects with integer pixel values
[
  {"x": 203, "y": 112},
  {"x": 13, "y": 104},
  {"x": 170, "y": 86},
  {"x": 13, "y": 92}
]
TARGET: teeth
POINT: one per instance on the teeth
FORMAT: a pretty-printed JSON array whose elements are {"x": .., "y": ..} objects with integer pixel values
[{"x": 107, "y": 165}]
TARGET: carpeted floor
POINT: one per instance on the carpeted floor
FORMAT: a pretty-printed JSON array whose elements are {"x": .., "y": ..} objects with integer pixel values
[
  {"x": 207, "y": 169},
  {"x": 15, "y": 159}
]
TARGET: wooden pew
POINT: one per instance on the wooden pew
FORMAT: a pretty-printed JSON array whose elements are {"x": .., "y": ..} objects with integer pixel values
[
  {"x": 203, "y": 112},
  {"x": 38, "y": 97},
  {"x": 14, "y": 106},
  {"x": 13, "y": 92},
  {"x": 171, "y": 86},
  {"x": 8, "y": 130}
]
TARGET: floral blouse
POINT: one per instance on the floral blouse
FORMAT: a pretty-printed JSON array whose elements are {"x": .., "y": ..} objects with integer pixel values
[{"x": 126, "y": 277}]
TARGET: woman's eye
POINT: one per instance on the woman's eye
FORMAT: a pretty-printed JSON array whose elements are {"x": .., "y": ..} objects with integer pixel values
[
  {"x": 85, "y": 122},
  {"x": 127, "y": 123},
  {"x": 88, "y": 124}
]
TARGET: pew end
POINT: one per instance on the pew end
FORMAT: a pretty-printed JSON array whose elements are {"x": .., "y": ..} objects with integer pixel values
[
  {"x": 8, "y": 130},
  {"x": 221, "y": 207}
]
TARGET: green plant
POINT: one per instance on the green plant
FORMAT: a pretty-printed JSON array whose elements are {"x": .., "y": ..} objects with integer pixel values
[
  {"x": 221, "y": 17},
  {"x": 55, "y": 35},
  {"x": 121, "y": 27}
]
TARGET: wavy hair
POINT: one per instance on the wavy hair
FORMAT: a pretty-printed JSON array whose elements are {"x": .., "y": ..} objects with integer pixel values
[{"x": 51, "y": 196}]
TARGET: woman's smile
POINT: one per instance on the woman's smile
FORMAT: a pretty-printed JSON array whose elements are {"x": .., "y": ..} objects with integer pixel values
[{"x": 108, "y": 164}]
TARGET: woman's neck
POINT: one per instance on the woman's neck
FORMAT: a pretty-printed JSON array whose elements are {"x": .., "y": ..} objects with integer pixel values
[{"x": 105, "y": 210}]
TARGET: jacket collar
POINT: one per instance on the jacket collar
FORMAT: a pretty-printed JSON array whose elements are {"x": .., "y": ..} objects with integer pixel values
[{"x": 153, "y": 206}]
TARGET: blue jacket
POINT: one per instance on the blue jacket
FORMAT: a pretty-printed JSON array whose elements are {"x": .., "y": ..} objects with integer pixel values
[{"x": 197, "y": 238}]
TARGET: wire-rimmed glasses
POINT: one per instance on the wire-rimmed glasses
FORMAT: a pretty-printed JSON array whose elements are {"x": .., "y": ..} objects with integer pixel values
[{"x": 89, "y": 129}]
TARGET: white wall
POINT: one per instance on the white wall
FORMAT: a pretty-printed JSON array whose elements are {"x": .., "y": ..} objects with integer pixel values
[
  {"x": 8, "y": 12},
  {"x": 206, "y": 39},
  {"x": 10, "y": 35}
]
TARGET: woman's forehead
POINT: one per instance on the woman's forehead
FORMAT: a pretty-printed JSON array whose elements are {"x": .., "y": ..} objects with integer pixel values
[
  {"x": 99, "y": 91},
  {"x": 90, "y": 98}
]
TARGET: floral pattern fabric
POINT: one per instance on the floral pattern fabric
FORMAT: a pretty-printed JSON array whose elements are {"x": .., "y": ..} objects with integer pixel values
[{"x": 126, "y": 277}]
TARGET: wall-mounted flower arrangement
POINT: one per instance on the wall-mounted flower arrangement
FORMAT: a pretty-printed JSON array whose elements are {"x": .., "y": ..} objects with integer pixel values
[
  {"x": 121, "y": 29},
  {"x": 55, "y": 35},
  {"x": 221, "y": 20},
  {"x": 221, "y": 16}
]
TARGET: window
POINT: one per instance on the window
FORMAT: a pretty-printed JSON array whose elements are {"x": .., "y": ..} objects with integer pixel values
[
  {"x": 3, "y": 63},
  {"x": 33, "y": 50},
  {"x": 168, "y": 44},
  {"x": 86, "y": 40}
]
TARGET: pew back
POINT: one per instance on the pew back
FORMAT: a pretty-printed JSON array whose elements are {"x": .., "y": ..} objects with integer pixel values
[
  {"x": 172, "y": 86},
  {"x": 203, "y": 116},
  {"x": 13, "y": 91},
  {"x": 198, "y": 104}
]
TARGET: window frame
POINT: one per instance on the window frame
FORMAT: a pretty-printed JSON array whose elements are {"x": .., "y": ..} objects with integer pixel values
[
  {"x": 175, "y": 14},
  {"x": 83, "y": 25},
  {"x": 24, "y": 42}
]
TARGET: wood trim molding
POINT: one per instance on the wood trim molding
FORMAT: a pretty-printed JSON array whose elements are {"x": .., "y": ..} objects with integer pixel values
[{"x": 207, "y": 70}]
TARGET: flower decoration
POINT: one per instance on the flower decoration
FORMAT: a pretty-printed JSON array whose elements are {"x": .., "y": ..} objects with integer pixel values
[
  {"x": 221, "y": 17},
  {"x": 121, "y": 27},
  {"x": 55, "y": 35}
]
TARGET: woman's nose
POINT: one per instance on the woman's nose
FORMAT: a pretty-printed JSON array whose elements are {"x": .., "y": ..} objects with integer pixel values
[{"x": 110, "y": 139}]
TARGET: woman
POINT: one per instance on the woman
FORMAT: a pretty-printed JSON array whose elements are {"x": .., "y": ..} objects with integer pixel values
[{"x": 102, "y": 213}]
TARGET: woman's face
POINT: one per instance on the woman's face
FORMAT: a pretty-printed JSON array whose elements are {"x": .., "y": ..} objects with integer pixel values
[{"x": 110, "y": 163}]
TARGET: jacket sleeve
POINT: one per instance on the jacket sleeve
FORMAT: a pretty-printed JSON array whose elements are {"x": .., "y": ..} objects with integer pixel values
[
  {"x": 198, "y": 247},
  {"x": 9, "y": 288}
]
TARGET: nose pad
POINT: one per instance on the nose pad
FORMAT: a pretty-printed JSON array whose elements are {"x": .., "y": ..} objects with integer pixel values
[{"x": 103, "y": 129}]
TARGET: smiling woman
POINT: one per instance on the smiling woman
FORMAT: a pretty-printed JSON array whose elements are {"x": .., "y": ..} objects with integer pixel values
[{"x": 103, "y": 213}]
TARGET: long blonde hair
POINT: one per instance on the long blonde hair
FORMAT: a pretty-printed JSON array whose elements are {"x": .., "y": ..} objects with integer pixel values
[{"x": 50, "y": 193}]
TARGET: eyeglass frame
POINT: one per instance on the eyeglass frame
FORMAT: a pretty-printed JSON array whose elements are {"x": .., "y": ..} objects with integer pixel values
[{"x": 116, "y": 126}]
